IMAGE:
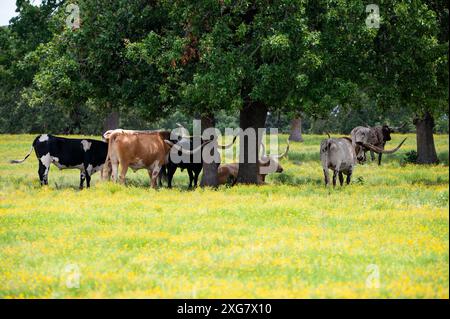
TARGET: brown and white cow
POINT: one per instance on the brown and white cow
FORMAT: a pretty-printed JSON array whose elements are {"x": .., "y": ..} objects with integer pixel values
[{"x": 136, "y": 150}]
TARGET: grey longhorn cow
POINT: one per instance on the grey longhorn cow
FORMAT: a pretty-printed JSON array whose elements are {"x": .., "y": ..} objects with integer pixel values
[
  {"x": 376, "y": 135},
  {"x": 341, "y": 155}
]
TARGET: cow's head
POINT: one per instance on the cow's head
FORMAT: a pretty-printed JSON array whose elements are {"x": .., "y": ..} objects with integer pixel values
[
  {"x": 272, "y": 161},
  {"x": 360, "y": 137},
  {"x": 386, "y": 131},
  {"x": 360, "y": 153}
]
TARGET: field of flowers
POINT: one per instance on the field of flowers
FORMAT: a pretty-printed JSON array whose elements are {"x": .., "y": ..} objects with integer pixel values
[{"x": 384, "y": 236}]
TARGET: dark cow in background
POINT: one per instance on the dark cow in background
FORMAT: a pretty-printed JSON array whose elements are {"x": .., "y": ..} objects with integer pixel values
[
  {"x": 193, "y": 167},
  {"x": 376, "y": 136},
  {"x": 189, "y": 164},
  {"x": 87, "y": 155}
]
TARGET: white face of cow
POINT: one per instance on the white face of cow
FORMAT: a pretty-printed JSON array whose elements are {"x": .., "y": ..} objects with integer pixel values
[
  {"x": 270, "y": 161},
  {"x": 360, "y": 137}
]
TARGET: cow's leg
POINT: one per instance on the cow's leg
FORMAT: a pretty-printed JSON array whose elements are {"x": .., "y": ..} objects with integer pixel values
[
  {"x": 115, "y": 171},
  {"x": 191, "y": 178},
  {"x": 45, "y": 161},
  {"x": 162, "y": 173},
  {"x": 123, "y": 172},
  {"x": 88, "y": 179},
  {"x": 155, "y": 174},
  {"x": 379, "y": 158},
  {"x": 341, "y": 178},
  {"x": 82, "y": 177},
  {"x": 41, "y": 172},
  {"x": 47, "y": 169},
  {"x": 196, "y": 173},
  {"x": 372, "y": 156},
  {"x": 149, "y": 171},
  {"x": 170, "y": 172},
  {"x": 349, "y": 176},
  {"x": 88, "y": 168},
  {"x": 106, "y": 171},
  {"x": 327, "y": 178},
  {"x": 335, "y": 174}
]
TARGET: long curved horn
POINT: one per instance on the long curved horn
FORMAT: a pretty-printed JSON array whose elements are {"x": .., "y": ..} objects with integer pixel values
[
  {"x": 263, "y": 154},
  {"x": 223, "y": 147},
  {"x": 377, "y": 149},
  {"x": 398, "y": 128},
  {"x": 279, "y": 156},
  {"x": 263, "y": 149},
  {"x": 184, "y": 151}
]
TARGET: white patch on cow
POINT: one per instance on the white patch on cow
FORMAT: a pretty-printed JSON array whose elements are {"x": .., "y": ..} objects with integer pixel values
[
  {"x": 86, "y": 145},
  {"x": 97, "y": 168},
  {"x": 55, "y": 161},
  {"x": 155, "y": 167},
  {"x": 46, "y": 161},
  {"x": 89, "y": 169},
  {"x": 43, "y": 138}
]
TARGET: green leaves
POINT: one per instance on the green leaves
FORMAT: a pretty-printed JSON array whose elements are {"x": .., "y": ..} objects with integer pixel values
[{"x": 276, "y": 47}]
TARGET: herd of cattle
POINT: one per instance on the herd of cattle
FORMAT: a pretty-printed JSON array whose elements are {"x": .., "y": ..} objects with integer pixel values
[{"x": 151, "y": 150}]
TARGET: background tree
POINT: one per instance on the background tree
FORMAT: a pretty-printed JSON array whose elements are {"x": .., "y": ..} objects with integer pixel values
[
  {"x": 25, "y": 33},
  {"x": 296, "y": 128},
  {"x": 411, "y": 65},
  {"x": 162, "y": 62},
  {"x": 247, "y": 56},
  {"x": 86, "y": 66}
]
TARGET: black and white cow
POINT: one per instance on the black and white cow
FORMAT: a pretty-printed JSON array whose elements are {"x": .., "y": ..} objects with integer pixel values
[{"x": 87, "y": 155}]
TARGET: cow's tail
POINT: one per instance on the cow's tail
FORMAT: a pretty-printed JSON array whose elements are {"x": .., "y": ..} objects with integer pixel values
[
  {"x": 26, "y": 156},
  {"x": 325, "y": 149},
  {"x": 108, "y": 137}
]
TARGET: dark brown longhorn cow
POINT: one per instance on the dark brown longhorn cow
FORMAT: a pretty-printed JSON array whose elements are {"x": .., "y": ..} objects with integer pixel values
[{"x": 376, "y": 136}]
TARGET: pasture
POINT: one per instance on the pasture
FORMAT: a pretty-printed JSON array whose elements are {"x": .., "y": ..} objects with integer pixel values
[{"x": 384, "y": 236}]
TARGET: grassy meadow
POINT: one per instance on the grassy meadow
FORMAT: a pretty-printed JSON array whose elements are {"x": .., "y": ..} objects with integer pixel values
[{"x": 384, "y": 236}]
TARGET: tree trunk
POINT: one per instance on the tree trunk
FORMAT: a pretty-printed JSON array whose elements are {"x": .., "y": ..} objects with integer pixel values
[
  {"x": 253, "y": 115},
  {"x": 296, "y": 129},
  {"x": 426, "y": 151},
  {"x": 75, "y": 126},
  {"x": 111, "y": 121},
  {"x": 209, "y": 176}
]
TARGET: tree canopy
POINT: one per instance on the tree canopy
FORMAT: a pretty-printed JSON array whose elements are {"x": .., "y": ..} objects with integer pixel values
[{"x": 235, "y": 60}]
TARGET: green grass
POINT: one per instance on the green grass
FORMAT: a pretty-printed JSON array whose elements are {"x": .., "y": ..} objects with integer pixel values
[{"x": 292, "y": 238}]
